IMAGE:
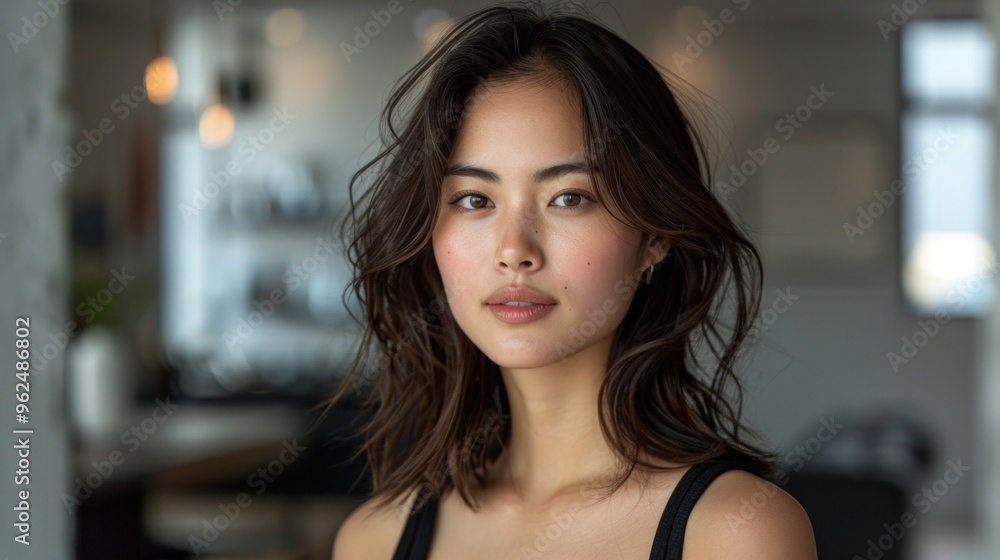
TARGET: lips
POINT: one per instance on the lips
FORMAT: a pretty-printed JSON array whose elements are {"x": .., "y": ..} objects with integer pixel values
[
  {"x": 523, "y": 294},
  {"x": 518, "y": 314}
]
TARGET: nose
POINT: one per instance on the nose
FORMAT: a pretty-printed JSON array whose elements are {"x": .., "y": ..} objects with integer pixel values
[{"x": 518, "y": 249}]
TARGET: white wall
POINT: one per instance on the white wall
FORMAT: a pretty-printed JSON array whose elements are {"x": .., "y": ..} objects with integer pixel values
[{"x": 34, "y": 127}]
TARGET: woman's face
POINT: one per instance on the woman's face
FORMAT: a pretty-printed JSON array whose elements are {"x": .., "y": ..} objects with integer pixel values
[{"x": 499, "y": 225}]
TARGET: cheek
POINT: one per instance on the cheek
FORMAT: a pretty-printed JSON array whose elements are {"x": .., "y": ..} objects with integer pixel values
[
  {"x": 454, "y": 259},
  {"x": 607, "y": 261},
  {"x": 604, "y": 261}
]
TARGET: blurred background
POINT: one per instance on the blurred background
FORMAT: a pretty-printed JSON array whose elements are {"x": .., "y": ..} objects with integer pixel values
[{"x": 169, "y": 171}]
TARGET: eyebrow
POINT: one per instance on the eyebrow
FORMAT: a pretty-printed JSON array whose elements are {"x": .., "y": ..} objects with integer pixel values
[{"x": 540, "y": 176}]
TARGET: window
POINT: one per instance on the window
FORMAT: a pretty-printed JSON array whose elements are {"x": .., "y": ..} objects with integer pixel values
[{"x": 947, "y": 151}]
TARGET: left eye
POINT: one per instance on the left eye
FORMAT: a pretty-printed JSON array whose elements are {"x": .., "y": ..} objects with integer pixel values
[{"x": 580, "y": 196}]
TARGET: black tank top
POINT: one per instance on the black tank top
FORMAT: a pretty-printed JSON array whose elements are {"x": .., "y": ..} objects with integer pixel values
[{"x": 667, "y": 542}]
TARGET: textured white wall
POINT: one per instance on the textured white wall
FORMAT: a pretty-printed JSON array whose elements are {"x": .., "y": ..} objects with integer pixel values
[{"x": 34, "y": 129}]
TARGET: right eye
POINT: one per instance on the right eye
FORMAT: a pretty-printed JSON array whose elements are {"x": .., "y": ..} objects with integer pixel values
[{"x": 478, "y": 201}]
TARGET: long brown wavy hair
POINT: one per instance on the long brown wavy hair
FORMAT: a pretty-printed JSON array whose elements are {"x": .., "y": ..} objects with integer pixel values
[{"x": 440, "y": 405}]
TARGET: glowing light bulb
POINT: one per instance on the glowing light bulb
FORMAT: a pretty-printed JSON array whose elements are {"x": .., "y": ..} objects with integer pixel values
[
  {"x": 216, "y": 126},
  {"x": 161, "y": 80}
]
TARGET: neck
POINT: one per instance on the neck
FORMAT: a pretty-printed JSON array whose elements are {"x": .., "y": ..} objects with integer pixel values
[{"x": 556, "y": 444}]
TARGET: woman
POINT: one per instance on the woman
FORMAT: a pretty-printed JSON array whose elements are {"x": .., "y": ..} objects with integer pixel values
[{"x": 540, "y": 262}]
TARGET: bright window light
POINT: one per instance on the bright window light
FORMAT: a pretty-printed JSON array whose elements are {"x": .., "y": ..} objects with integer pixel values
[{"x": 948, "y": 138}]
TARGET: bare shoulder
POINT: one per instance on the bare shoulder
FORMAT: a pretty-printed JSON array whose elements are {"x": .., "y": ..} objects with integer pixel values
[
  {"x": 372, "y": 534},
  {"x": 741, "y": 515}
]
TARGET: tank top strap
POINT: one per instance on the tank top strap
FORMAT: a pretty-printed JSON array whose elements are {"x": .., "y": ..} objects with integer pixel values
[
  {"x": 415, "y": 542},
  {"x": 669, "y": 539}
]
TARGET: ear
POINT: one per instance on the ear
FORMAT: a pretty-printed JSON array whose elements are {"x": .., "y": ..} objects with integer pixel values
[{"x": 656, "y": 250}]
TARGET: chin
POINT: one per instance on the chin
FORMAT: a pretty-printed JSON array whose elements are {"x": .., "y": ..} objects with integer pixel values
[{"x": 521, "y": 358}]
